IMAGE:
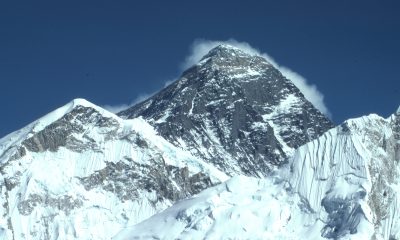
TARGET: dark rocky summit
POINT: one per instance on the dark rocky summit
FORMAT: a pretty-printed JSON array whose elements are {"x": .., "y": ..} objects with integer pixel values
[{"x": 236, "y": 111}]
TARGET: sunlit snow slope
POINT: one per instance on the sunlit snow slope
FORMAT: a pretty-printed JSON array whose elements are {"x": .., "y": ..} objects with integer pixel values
[
  {"x": 241, "y": 208},
  {"x": 350, "y": 177},
  {"x": 343, "y": 185},
  {"x": 81, "y": 172}
]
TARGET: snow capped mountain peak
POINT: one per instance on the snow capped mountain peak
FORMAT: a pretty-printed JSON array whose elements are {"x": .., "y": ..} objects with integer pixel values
[
  {"x": 224, "y": 50},
  {"x": 225, "y": 47},
  {"x": 67, "y": 108},
  {"x": 16, "y": 137},
  {"x": 84, "y": 103},
  {"x": 398, "y": 110},
  {"x": 53, "y": 116},
  {"x": 81, "y": 172},
  {"x": 229, "y": 56},
  {"x": 81, "y": 102}
]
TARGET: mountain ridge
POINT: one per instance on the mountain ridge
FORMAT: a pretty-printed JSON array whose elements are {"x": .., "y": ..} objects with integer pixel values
[
  {"x": 81, "y": 163},
  {"x": 232, "y": 149}
]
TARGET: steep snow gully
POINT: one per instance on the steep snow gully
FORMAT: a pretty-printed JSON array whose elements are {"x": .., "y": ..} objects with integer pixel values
[{"x": 230, "y": 150}]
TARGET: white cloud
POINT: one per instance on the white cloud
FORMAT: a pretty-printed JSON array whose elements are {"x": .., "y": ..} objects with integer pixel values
[
  {"x": 169, "y": 82},
  {"x": 310, "y": 91},
  {"x": 140, "y": 98},
  {"x": 119, "y": 107},
  {"x": 201, "y": 47},
  {"x": 116, "y": 108}
]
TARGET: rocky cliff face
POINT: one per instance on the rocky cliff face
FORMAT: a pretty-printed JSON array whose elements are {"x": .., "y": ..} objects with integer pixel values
[{"x": 234, "y": 110}]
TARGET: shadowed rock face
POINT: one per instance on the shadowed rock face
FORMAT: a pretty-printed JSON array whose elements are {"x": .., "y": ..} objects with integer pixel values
[
  {"x": 344, "y": 215},
  {"x": 234, "y": 110},
  {"x": 64, "y": 203},
  {"x": 126, "y": 179},
  {"x": 60, "y": 133}
]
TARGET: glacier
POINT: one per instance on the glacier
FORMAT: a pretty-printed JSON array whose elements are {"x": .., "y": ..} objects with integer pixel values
[{"x": 343, "y": 185}]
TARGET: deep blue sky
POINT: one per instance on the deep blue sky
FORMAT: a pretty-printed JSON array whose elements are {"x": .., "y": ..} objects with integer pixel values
[{"x": 111, "y": 51}]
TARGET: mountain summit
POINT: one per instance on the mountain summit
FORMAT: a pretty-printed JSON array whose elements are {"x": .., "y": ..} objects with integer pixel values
[{"x": 236, "y": 111}]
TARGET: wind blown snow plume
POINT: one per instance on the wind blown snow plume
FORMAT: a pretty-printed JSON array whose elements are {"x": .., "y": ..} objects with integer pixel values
[
  {"x": 119, "y": 107},
  {"x": 201, "y": 47},
  {"x": 139, "y": 98}
]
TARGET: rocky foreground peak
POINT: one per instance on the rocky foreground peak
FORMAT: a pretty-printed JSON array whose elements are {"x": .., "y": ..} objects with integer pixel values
[{"x": 81, "y": 172}]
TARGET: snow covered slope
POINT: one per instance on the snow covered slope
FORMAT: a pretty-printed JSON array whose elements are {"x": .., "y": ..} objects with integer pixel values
[
  {"x": 343, "y": 185},
  {"x": 241, "y": 208},
  {"x": 81, "y": 172},
  {"x": 234, "y": 110},
  {"x": 350, "y": 177}
]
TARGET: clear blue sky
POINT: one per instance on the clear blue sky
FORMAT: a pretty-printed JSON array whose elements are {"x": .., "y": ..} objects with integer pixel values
[{"x": 111, "y": 51}]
